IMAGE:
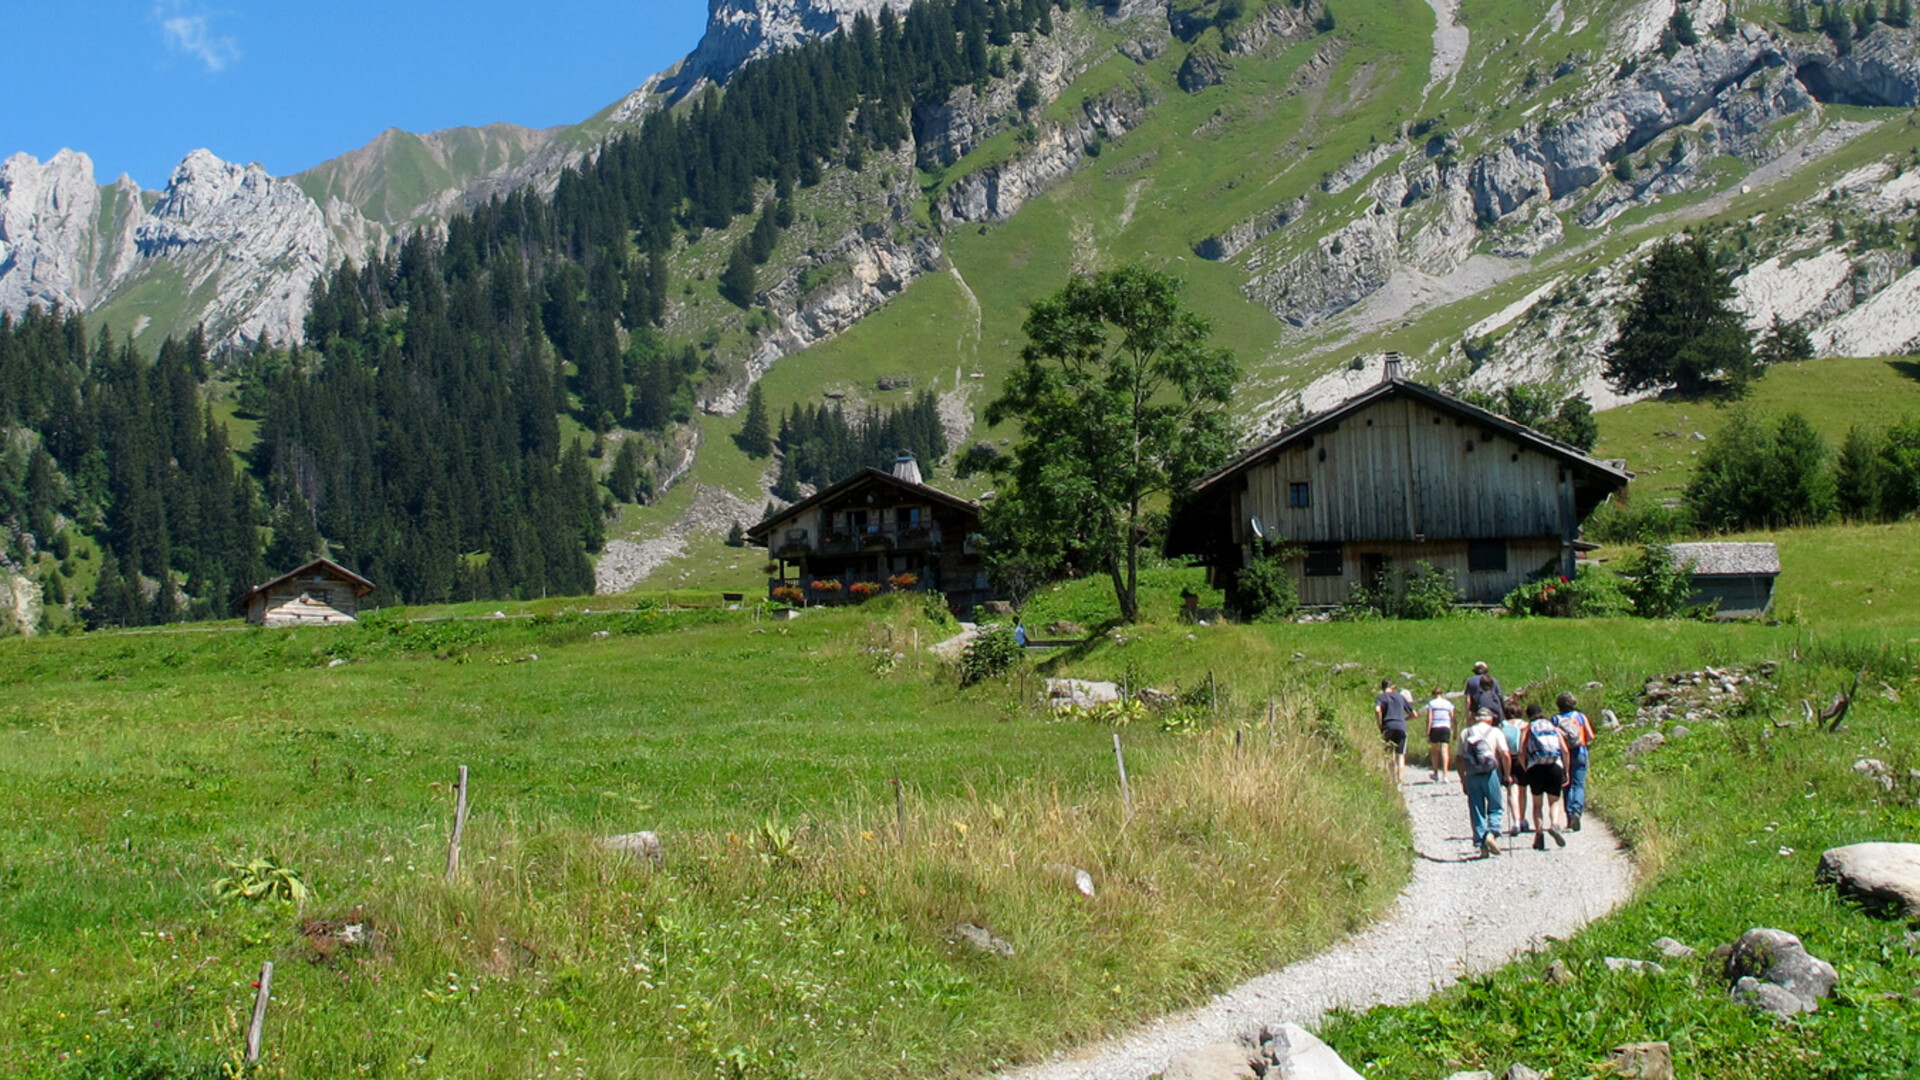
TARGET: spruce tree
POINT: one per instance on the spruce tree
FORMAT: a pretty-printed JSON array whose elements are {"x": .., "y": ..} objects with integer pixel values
[
  {"x": 738, "y": 282},
  {"x": 1857, "y": 475},
  {"x": 755, "y": 439},
  {"x": 1679, "y": 331},
  {"x": 625, "y": 474}
]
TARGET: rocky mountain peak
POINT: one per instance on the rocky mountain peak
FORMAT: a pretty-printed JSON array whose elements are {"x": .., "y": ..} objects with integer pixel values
[
  {"x": 46, "y": 212},
  {"x": 742, "y": 30}
]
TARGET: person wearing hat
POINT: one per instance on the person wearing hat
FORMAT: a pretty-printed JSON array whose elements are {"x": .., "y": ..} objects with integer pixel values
[{"x": 1484, "y": 763}]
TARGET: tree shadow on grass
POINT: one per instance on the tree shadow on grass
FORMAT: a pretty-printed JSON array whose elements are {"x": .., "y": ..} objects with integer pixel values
[{"x": 1909, "y": 368}]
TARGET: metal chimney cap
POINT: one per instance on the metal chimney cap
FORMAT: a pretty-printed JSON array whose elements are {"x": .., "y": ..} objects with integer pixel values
[{"x": 906, "y": 468}]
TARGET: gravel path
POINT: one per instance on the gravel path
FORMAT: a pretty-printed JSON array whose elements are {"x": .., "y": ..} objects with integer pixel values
[{"x": 1443, "y": 926}]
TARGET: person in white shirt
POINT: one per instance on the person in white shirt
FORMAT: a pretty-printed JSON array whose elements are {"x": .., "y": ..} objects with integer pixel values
[{"x": 1439, "y": 734}]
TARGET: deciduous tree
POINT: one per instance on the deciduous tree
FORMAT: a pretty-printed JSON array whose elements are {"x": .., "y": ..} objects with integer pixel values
[{"x": 1121, "y": 400}]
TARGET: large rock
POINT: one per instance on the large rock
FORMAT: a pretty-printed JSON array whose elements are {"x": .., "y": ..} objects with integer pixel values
[
  {"x": 1294, "y": 1053},
  {"x": 1221, "y": 1061},
  {"x": 1641, "y": 1061},
  {"x": 1775, "y": 957},
  {"x": 1881, "y": 876}
]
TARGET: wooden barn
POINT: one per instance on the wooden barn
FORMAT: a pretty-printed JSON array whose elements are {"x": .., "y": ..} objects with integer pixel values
[
  {"x": 873, "y": 527},
  {"x": 1736, "y": 577},
  {"x": 321, "y": 593},
  {"x": 1399, "y": 474}
]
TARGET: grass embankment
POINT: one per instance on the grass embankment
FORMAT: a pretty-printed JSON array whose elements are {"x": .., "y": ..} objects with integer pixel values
[{"x": 788, "y": 932}]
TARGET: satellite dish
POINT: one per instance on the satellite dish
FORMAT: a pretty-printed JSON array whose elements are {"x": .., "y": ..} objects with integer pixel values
[{"x": 1259, "y": 529}]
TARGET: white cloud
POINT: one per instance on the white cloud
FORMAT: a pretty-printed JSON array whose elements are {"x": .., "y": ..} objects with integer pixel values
[{"x": 191, "y": 35}]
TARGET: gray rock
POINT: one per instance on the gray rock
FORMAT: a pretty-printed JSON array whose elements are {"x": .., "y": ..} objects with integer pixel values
[
  {"x": 1673, "y": 950},
  {"x": 1641, "y": 1061},
  {"x": 641, "y": 845},
  {"x": 1518, "y": 1071},
  {"x": 1609, "y": 720},
  {"x": 1066, "y": 629},
  {"x": 1777, "y": 958},
  {"x": 1294, "y": 1053},
  {"x": 1883, "y": 877},
  {"x": 1475, "y": 1074},
  {"x": 1203, "y": 67},
  {"x": 1558, "y": 973},
  {"x": 1646, "y": 744},
  {"x": 1085, "y": 693},
  {"x": 1221, "y": 1061},
  {"x": 1679, "y": 731},
  {"x": 1767, "y": 997},
  {"x": 994, "y": 193},
  {"x": 983, "y": 939},
  {"x": 1643, "y": 967}
]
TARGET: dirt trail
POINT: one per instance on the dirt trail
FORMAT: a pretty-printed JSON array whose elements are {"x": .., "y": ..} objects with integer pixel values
[{"x": 1439, "y": 930}]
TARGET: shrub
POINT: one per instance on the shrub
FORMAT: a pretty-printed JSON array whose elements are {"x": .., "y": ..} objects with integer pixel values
[
  {"x": 1592, "y": 592},
  {"x": 1430, "y": 593},
  {"x": 1658, "y": 585},
  {"x": 1757, "y": 472},
  {"x": 1630, "y": 521},
  {"x": 989, "y": 656},
  {"x": 1263, "y": 589}
]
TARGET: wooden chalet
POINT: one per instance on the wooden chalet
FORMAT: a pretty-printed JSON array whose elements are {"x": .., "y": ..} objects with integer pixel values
[
  {"x": 872, "y": 527},
  {"x": 321, "y": 593},
  {"x": 1737, "y": 578},
  {"x": 1399, "y": 474}
]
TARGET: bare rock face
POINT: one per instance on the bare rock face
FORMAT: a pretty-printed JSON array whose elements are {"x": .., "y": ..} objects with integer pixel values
[
  {"x": 743, "y": 30},
  {"x": 997, "y": 191},
  {"x": 261, "y": 241},
  {"x": 250, "y": 243},
  {"x": 47, "y": 228}
]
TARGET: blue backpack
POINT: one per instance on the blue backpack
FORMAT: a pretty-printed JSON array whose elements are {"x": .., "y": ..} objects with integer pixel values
[{"x": 1547, "y": 744}]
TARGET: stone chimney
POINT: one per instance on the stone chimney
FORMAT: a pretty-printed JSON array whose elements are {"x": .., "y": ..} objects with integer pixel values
[
  {"x": 1395, "y": 367},
  {"x": 906, "y": 468}
]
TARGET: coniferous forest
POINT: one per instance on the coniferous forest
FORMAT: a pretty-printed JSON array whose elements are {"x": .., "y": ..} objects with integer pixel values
[{"x": 416, "y": 435}]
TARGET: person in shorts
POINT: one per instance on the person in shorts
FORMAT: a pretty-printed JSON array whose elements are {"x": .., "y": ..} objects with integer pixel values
[
  {"x": 1439, "y": 733},
  {"x": 1515, "y": 781},
  {"x": 1544, "y": 749},
  {"x": 1390, "y": 712}
]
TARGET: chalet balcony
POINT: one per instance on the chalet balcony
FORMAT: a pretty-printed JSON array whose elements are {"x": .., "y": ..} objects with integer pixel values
[
  {"x": 845, "y": 594},
  {"x": 876, "y": 538}
]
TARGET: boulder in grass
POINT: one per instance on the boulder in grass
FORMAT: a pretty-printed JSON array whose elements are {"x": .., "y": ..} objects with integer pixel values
[
  {"x": 1767, "y": 997},
  {"x": 1641, "y": 1061},
  {"x": 641, "y": 845},
  {"x": 1646, "y": 744},
  {"x": 1671, "y": 949},
  {"x": 1777, "y": 957},
  {"x": 1883, "y": 877},
  {"x": 983, "y": 939},
  {"x": 1518, "y": 1071}
]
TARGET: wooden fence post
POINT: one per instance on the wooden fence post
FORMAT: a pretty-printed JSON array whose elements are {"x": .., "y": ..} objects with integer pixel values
[
  {"x": 1126, "y": 794},
  {"x": 459, "y": 825},
  {"x": 900, "y": 809},
  {"x": 259, "y": 1012}
]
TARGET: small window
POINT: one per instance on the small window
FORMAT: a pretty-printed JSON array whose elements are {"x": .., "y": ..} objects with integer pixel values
[
  {"x": 1487, "y": 556},
  {"x": 1323, "y": 560},
  {"x": 1298, "y": 496}
]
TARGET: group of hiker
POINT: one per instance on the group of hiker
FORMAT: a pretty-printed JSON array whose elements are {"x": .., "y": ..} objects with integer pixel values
[{"x": 1506, "y": 756}]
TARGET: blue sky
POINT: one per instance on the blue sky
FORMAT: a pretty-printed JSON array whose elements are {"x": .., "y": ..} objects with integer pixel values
[{"x": 137, "y": 84}]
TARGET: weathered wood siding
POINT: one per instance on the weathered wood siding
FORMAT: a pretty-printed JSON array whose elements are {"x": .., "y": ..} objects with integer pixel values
[
  {"x": 1526, "y": 556},
  {"x": 304, "y": 603},
  {"x": 1402, "y": 470}
]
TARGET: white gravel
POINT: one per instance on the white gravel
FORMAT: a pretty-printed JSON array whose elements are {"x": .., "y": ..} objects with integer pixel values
[{"x": 1458, "y": 916}]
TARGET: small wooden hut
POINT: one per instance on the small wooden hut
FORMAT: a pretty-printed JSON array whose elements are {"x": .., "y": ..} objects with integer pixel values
[
  {"x": 321, "y": 593},
  {"x": 1735, "y": 577}
]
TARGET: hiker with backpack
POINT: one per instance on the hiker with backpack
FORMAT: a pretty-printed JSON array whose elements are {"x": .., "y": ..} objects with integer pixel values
[
  {"x": 1390, "y": 711},
  {"x": 1544, "y": 749},
  {"x": 1483, "y": 692},
  {"x": 1439, "y": 733},
  {"x": 1579, "y": 732},
  {"x": 1515, "y": 782},
  {"x": 1484, "y": 766}
]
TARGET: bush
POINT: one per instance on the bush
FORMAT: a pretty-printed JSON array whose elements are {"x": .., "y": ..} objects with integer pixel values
[
  {"x": 989, "y": 656},
  {"x": 1629, "y": 521},
  {"x": 1431, "y": 593},
  {"x": 1263, "y": 589},
  {"x": 1757, "y": 472},
  {"x": 1658, "y": 586},
  {"x": 1592, "y": 592}
]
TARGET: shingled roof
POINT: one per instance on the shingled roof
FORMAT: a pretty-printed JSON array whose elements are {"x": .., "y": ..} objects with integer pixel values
[{"x": 1725, "y": 558}]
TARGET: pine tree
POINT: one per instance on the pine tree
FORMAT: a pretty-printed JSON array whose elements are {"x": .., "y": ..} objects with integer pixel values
[
  {"x": 1679, "y": 331},
  {"x": 1857, "y": 475},
  {"x": 738, "y": 282},
  {"x": 625, "y": 474},
  {"x": 755, "y": 440},
  {"x": 1783, "y": 342}
]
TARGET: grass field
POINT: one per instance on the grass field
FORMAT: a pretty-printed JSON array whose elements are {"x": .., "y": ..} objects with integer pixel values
[{"x": 787, "y": 933}]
